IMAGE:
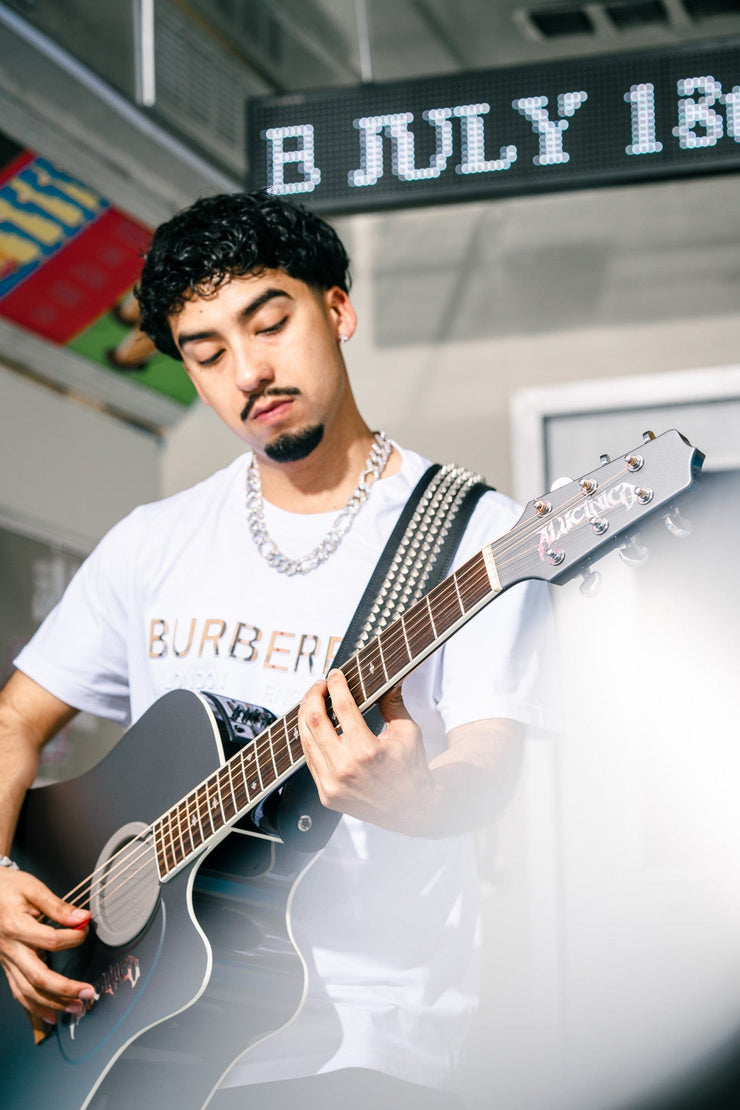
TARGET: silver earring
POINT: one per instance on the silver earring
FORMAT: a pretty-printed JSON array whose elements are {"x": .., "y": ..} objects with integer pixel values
[{"x": 342, "y": 337}]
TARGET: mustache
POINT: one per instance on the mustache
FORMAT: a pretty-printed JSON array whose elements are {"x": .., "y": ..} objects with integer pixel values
[{"x": 287, "y": 391}]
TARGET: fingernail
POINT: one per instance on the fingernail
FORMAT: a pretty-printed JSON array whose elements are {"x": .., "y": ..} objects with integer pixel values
[
  {"x": 75, "y": 1008},
  {"x": 88, "y": 994},
  {"x": 79, "y": 917}
]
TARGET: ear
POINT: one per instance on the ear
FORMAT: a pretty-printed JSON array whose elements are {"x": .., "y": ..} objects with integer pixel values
[{"x": 340, "y": 312}]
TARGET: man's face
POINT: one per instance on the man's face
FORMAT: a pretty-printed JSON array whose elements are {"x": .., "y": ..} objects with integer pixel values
[{"x": 263, "y": 352}]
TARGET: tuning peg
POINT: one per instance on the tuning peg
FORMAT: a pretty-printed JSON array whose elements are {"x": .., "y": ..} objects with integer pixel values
[
  {"x": 564, "y": 481},
  {"x": 591, "y": 584},
  {"x": 633, "y": 553},
  {"x": 677, "y": 525}
]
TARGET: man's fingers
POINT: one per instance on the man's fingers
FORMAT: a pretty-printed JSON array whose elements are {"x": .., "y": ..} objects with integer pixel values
[
  {"x": 28, "y": 916},
  {"x": 63, "y": 913},
  {"x": 26, "y": 902},
  {"x": 312, "y": 721},
  {"x": 392, "y": 706},
  {"x": 40, "y": 990}
]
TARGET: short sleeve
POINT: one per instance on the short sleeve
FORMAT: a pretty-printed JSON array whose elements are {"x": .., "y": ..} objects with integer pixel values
[
  {"x": 501, "y": 663},
  {"x": 79, "y": 653}
]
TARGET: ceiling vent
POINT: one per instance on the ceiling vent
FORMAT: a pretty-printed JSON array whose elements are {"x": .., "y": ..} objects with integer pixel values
[
  {"x": 603, "y": 19},
  {"x": 699, "y": 10},
  {"x": 553, "y": 23},
  {"x": 637, "y": 13}
]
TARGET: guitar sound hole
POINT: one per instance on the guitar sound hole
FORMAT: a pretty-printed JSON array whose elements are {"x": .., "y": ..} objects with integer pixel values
[{"x": 125, "y": 886}]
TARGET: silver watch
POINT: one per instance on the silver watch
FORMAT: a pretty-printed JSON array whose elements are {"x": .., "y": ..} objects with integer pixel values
[{"x": 6, "y": 861}]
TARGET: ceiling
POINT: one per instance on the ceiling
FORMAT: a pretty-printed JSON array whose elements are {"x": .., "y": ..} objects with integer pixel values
[
  {"x": 206, "y": 57},
  {"x": 75, "y": 84}
]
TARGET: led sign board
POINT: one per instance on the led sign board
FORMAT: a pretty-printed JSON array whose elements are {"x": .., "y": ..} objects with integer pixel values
[{"x": 594, "y": 121}]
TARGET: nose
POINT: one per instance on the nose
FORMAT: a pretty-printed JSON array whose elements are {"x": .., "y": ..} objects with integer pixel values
[{"x": 250, "y": 374}]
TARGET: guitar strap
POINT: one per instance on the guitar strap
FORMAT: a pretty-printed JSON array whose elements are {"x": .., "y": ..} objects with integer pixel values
[{"x": 417, "y": 556}]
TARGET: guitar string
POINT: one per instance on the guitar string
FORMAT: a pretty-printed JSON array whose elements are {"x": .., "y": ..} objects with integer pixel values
[
  {"x": 470, "y": 575},
  {"x": 218, "y": 787},
  {"x": 198, "y": 793}
]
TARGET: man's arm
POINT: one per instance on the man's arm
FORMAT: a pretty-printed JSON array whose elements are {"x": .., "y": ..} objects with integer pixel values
[
  {"x": 29, "y": 717},
  {"x": 387, "y": 779}
]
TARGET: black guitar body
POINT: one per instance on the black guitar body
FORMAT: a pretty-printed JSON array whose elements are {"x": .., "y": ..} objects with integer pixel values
[
  {"x": 210, "y": 971},
  {"x": 194, "y": 970}
]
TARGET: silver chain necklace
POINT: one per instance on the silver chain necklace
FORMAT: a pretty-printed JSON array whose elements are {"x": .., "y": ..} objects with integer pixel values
[{"x": 268, "y": 549}]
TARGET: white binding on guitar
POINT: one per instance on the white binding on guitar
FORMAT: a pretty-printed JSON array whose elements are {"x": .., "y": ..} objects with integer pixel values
[{"x": 135, "y": 860}]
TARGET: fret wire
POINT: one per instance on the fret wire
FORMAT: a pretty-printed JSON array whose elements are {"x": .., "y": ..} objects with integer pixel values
[
  {"x": 420, "y": 635},
  {"x": 405, "y": 637},
  {"x": 353, "y": 674},
  {"x": 373, "y": 667},
  {"x": 224, "y": 792},
  {"x": 217, "y": 787},
  {"x": 379, "y": 642},
  {"x": 183, "y": 849},
  {"x": 165, "y": 825},
  {"x": 255, "y": 784},
  {"x": 229, "y": 769},
  {"x": 207, "y": 814},
  {"x": 282, "y": 764},
  {"x": 194, "y": 797},
  {"x": 353, "y": 680},
  {"x": 295, "y": 739},
  {"x": 188, "y": 826},
  {"x": 431, "y": 617},
  {"x": 207, "y": 786},
  {"x": 161, "y": 864},
  {"x": 288, "y": 748},
  {"x": 271, "y": 750},
  {"x": 243, "y": 772},
  {"x": 392, "y": 643}
]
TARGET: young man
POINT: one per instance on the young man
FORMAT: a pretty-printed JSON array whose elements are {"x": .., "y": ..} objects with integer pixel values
[{"x": 245, "y": 584}]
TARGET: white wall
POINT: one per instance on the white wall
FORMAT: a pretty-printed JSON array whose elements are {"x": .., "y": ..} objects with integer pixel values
[{"x": 67, "y": 467}]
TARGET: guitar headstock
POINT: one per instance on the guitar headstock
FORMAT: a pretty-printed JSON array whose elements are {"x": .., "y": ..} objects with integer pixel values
[{"x": 578, "y": 522}]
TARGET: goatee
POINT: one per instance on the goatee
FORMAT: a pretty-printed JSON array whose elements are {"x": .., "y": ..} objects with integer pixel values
[{"x": 294, "y": 446}]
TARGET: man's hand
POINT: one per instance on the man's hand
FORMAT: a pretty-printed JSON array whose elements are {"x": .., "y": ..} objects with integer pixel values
[
  {"x": 383, "y": 779},
  {"x": 388, "y": 780},
  {"x": 24, "y": 900}
]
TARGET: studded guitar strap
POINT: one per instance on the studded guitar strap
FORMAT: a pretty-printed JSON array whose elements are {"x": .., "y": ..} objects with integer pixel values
[{"x": 417, "y": 556}]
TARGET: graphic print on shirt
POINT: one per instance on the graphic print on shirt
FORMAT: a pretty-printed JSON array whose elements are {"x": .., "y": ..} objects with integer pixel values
[{"x": 207, "y": 653}]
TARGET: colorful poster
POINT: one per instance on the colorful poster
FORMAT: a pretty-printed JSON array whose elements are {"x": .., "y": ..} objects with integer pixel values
[{"x": 68, "y": 262}]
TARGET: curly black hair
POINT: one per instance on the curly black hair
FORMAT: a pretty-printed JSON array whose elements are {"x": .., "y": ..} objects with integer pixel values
[{"x": 230, "y": 235}]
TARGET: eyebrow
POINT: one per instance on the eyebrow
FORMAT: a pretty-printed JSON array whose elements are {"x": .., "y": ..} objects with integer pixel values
[{"x": 244, "y": 314}]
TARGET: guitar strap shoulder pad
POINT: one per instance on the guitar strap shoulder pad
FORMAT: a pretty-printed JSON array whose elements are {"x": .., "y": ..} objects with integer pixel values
[{"x": 416, "y": 557}]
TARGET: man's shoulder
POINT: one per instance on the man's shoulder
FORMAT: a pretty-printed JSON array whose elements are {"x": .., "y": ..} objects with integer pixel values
[
  {"x": 191, "y": 509},
  {"x": 209, "y": 491}
]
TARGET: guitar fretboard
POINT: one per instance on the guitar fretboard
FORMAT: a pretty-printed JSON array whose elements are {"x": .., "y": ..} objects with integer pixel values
[{"x": 249, "y": 776}]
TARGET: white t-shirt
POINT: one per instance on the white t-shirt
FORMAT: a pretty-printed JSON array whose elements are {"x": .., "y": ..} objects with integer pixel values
[{"x": 176, "y": 595}]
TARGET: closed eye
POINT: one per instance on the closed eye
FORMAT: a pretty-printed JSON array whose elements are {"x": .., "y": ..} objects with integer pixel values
[
  {"x": 274, "y": 327},
  {"x": 210, "y": 360}
]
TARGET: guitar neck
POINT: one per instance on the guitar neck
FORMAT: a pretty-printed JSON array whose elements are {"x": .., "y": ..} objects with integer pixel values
[
  {"x": 253, "y": 773},
  {"x": 555, "y": 536}
]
